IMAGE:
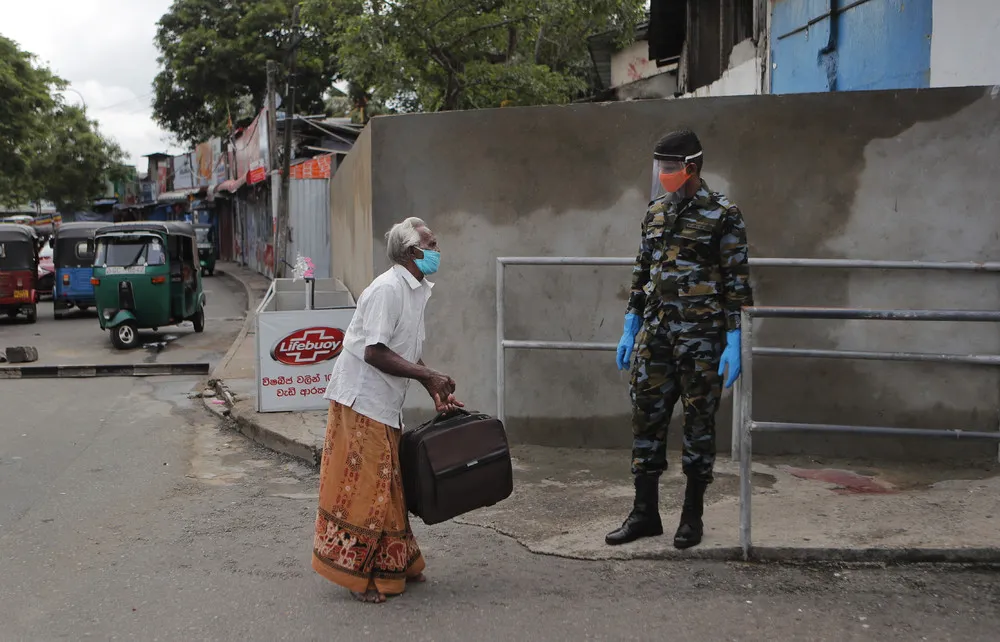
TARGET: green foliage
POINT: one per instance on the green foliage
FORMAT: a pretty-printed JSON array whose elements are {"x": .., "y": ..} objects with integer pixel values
[
  {"x": 71, "y": 165},
  {"x": 213, "y": 55},
  {"x": 48, "y": 150},
  {"x": 25, "y": 98},
  {"x": 433, "y": 55}
]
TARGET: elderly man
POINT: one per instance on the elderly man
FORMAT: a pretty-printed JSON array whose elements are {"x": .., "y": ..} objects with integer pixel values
[{"x": 363, "y": 540}]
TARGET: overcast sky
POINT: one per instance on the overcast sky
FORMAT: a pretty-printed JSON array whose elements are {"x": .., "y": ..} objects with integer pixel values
[{"x": 105, "y": 49}]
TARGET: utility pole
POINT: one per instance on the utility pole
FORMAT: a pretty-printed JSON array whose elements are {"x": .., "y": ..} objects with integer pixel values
[
  {"x": 283, "y": 214},
  {"x": 272, "y": 151}
]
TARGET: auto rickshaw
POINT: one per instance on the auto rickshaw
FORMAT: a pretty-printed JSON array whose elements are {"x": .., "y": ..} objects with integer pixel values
[
  {"x": 18, "y": 271},
  {"x": 21, "y": 219},
  {"x": 73, "y": 257},
  {"x": 146, "y": 275},
  {"x": 206, "y": 248}
]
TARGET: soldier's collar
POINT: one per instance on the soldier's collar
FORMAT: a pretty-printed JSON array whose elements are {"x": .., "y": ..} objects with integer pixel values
[{"x": 703, "y": 196}]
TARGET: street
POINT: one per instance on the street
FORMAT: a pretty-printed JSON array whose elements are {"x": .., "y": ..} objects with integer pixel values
[
  {"x": 128, "y": 513},
  {"x": 77, "y": 338}
]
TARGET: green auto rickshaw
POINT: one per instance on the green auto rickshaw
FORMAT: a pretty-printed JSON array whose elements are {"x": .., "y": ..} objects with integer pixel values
[
  {"x": 146, "y": 275},
  {"x": 206, "y": 248}
]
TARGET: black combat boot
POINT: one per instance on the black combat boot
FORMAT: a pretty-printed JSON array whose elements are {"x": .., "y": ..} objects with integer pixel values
[
  {"x": 690, "y": 531},
  {"x": 644, "y": 520}
]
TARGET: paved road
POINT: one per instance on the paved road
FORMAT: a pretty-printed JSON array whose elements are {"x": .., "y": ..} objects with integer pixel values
[
  {"x": 77, "y": 338},
  {"x": 126, "y": 513}
]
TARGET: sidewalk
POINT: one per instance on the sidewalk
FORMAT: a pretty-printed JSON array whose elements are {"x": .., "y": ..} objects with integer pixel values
[
  {"x": 565, "y": 500},
  {"x": 299, "y": 434}
]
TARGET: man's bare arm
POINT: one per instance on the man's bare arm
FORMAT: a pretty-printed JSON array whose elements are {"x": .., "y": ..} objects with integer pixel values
[
  {"x": 440, "y": 387},
  {"x": 385, "y": 359}
]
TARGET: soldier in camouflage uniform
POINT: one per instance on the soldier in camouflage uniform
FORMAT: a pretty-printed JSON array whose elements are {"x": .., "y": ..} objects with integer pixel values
[{"x": 690, "y": 279}]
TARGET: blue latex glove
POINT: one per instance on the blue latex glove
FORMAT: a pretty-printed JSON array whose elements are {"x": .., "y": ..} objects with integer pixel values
[
  {"x": 731, "y": 357},
  {"x": 627, "y": 342}
]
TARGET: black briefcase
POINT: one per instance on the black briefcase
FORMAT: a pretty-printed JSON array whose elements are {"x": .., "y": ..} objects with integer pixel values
[{"x": 453, "y": 464}]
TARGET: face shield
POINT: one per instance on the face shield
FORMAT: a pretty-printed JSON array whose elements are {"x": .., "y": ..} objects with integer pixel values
[{"x": 670, "y": 173}]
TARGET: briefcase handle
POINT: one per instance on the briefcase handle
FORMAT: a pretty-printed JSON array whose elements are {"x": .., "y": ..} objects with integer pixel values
[{"x": 447, "y": 414}]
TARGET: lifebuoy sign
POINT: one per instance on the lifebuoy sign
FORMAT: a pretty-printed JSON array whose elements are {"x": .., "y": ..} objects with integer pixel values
[
  {"x": 308, "y": 346},
  {"x": 296, "y": 351}
]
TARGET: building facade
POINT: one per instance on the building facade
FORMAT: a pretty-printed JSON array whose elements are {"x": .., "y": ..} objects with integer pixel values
[{"x": 692, "y": 48}]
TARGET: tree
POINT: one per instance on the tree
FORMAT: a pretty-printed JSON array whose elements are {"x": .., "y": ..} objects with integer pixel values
[
  {"x": 48, "y": 150},
  {"x": 435, "y": 55},
  {"x": 213, "y": 55},
  {"x": 25, "y": 97},
  {"x": 72, "y": 164}
]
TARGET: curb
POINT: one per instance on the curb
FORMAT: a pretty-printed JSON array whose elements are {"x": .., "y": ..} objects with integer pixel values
[
  {"x": 986, "y": 557},
  {"x": 277, "y": 442},
  {"x": 267, "y": 438},
  {"x": 791, "y": 554},
  {"x": 252, "y": 303},
  {"x": 102, "y": 370}
]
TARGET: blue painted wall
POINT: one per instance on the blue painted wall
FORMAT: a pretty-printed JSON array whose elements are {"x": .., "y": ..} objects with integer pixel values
[{"x": 880, "y": 44}]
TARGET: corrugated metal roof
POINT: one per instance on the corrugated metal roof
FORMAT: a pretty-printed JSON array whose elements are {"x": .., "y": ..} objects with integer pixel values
[{"x": 309, "y": 220}]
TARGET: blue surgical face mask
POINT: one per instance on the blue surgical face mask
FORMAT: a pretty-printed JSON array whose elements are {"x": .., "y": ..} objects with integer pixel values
[{"x": 429, "y": 263}]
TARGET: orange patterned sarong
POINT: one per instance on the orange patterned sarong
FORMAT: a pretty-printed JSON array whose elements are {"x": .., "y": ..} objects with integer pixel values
[{"x": 363, "y": 539}]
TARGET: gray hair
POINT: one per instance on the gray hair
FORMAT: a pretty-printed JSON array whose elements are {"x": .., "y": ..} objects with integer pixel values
[{"x": 402, "y": 237}]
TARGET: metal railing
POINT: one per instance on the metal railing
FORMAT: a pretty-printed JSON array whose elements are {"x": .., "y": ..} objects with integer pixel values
[
  {"x": 503, "y": 344},
  {"x": 743, "y": 422},
  {"x": 743, "y": 402}
]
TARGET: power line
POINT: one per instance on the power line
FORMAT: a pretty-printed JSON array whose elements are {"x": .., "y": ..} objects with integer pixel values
[{"x": 123, "y": 102}]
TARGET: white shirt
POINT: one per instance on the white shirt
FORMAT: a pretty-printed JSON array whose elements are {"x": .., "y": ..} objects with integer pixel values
[{"x": 390, "y": 311}]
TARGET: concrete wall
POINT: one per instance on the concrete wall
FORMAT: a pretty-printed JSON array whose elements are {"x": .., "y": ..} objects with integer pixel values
[
  {"x": 662, "y": 85},
  {"x": 965, "y": 45},
  {"x": 632, "y": 64},
  {"x": 742, "y": 77},
  {"x": 636, "y": 78},
  {"x": 351, "y": 245},
  {"x": 901, "y": 175}
]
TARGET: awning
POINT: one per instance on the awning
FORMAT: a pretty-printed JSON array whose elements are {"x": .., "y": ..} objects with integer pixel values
[{"x": 177, "y": 196}]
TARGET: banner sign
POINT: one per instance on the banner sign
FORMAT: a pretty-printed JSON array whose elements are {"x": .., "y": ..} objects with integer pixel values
[{"x": 296, "y": 351}]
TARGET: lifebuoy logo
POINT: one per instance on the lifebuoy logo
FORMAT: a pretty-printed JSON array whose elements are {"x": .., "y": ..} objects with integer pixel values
[{"x": 308, "y": 346}]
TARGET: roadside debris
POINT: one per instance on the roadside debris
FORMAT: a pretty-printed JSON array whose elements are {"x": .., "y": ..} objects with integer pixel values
[
  {"x": 20, "y": 354},
  {"x": 159, "y": 346},
  {"x": 223, "y": 392}
]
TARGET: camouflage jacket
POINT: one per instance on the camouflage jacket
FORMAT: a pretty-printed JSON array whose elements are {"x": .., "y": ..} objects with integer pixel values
[{"x": 692, "y": 262}]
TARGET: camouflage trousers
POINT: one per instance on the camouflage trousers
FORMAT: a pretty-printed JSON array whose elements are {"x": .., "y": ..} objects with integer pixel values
[{"x": 671, "y": 363}]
